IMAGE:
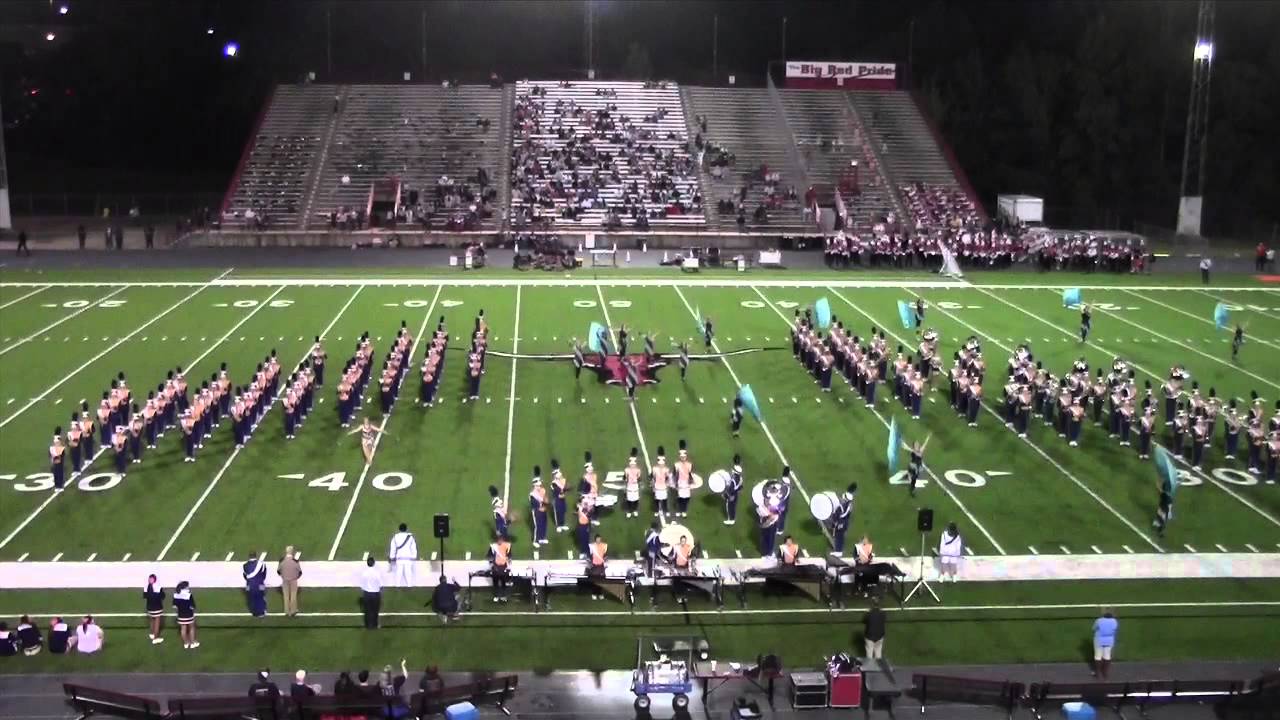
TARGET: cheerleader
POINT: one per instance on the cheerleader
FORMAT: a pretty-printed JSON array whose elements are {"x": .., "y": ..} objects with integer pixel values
[
  {"x": 184, "y": 604},
  {"x": 684, "y": 480},
  {"x": 119, "y": 443},
  {"x": 632, "y": 489},
  {"x": 57, "y": 459},
  {"x": 153, "y": 596},
  {"x": 73, "y": 444},
  {"x": 538, "y": 508},
  {"x": 559, "y": 503},
  {"x": 916, "y": 464},
  {"x": 499, "y": 508},
  {"x": 368, "y": 438},
  {"x": 661, "y": 476}
]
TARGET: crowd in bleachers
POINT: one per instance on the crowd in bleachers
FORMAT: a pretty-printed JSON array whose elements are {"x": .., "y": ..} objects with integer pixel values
[{"x": 578, "y": 157}]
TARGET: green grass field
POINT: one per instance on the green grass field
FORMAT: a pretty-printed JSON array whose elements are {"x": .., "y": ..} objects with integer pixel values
[{"x": 61, "y": 343}]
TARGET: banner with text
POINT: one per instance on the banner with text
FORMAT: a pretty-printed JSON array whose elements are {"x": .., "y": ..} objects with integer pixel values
[{"x": 846, "y": 75}]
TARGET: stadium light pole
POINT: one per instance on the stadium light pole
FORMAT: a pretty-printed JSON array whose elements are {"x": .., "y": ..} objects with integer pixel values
[
  {"x": 590, "y": 30},
  {"x": 715, "y": 48},
  {"x": 1195, "y": 145}
]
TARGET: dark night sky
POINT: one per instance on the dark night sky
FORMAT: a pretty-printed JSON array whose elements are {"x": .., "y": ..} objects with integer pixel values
[{"x": 135, "y": 96}]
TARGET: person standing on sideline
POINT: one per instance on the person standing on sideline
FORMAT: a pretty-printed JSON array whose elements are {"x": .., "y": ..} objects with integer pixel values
[
  {"x": 403, "y": 553},
  {"x": 1206, "y": 264},
  {"x": 1105, "y": 629},
  {"x": 22, "y": 243},
  {"x": 371, "y": 593},
  {"x": 873, "y": 631},
  {"x": 184, "y": 605},
  {"x": 289, "y": 570},
  {"x": 950, "y": 550},
  {"x": 81, "y": 234},
  {"x": 255, "y": 584},
  {"x": 149, "y": 233},
  {"x": 153, "y": 594}
]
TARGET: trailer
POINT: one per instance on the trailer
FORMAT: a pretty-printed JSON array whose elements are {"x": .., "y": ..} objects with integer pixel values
[{"x": 1021, "y": 209}]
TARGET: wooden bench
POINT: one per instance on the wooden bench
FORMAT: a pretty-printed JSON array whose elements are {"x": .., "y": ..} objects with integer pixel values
[
  {"x": 1140, "y": 694},
  {"x": 91, "y": 701},
  {"x": 944, "y": 688},
  {"x": 496, "y": 690}
]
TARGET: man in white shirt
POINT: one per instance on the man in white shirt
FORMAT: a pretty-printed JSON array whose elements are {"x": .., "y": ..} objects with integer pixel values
[
  {"x": 1206, "y": 264},
  {"x": 950, "y": 550},
  {"x": 371, "y": 594},
  {"x": 403, "y": 552}
]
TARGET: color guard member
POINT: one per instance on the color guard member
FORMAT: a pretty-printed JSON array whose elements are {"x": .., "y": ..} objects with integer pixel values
[
  {"x": 916, "y": 464},
  {"x": 735, "y": 416},
  {"x": 368, "y": 438},
  {"x": 1086, "y": 322}
]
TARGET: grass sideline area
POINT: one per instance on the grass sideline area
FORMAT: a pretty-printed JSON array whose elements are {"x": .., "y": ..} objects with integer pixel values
[
  {"x": 979, "y": 624},
  {"x": 60, "y": 344}
]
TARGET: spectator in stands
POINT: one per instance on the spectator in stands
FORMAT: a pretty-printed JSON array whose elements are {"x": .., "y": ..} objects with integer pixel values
[
  {"x": 59, "y": 636},
  {"x": 344, "y": 686},
  {"x": 873, "y": 625},
  {"x": 362, "y": 684},
  {"x": 262, "y": 687},
  {"x": 300, "y": 690},
  {"x": 290, "y": 571},
  {"x": 89, "y": 637},
  {"x": 29, "y": 639},
  {"x": 431, "y": 682},
  {"x": 8, "y": 640},
  {"x": 389, "y": 687},
  {"x": 1105, "y": 629}
]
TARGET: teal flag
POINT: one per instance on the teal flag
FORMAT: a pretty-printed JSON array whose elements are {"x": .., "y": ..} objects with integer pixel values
[
  {"x": 822, "y": 311},
  {"x": 895, "y": 442},
  {"x": 1221, "y": 316},
  {"x": 1168, "y": 473},
  {"x": 595, "y": 337},
  {"x": 907, "y": 314},
  {"x": 1070, "y": 296},
  {"x": 701, "y": 323},
  {"x": 748, "y": 398}
]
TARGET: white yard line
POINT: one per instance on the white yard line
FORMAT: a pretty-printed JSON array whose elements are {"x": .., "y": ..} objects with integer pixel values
[
  {"x": 511, "y": 404},
  {"x": 1066, "y": 473},
  {"x": 236, "y": 452},
  {"x": 937, "y": 481},
  {"x": 1177, "y": 458},
  {"x": 1218, "y": 360},
  {"x": 85, "y": 468},
  {"x": 1148, "y": 298},
  {"x": 635, "y": 418},
  {"x": 364, "y": 472},
  {"x": 108, "y": 349},
  {"x": 37, "y": 291},
  {"x": 1263, "y": 312},
  {"x": 61, "y": 320}
]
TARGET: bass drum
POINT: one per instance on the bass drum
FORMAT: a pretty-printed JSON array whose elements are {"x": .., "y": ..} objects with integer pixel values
[
  {"x": 718, "y": 481},
  {"x": 823, "y": 505}
]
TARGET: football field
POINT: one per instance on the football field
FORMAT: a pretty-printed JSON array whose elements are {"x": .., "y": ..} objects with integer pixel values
[{"x": 64, "y": 336}]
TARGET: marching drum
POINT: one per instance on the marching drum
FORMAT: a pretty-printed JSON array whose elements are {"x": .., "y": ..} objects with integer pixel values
[
  {"x": 606, "y": 501},
  {"x": 718, "y": 481},
  {"x": 767, "y": 494},
  {"x": 823, "y": 505}
]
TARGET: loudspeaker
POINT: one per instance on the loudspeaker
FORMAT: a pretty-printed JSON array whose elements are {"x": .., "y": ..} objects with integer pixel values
[
  {"x": 440, "y": 524},
  {"x": 924, "y": 520}
]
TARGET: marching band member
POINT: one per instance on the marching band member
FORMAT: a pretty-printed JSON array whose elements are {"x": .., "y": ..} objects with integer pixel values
[
  {"x": 1199, "y": 438},
  {"x": 974, "y": 400},
  {"x": 784, "y": 500},
  {"x": 865, "y": 551},
  {"x": 661, "y": 474},
  {"x": 559, "y": 505},
  {"x": 590, "y": 486},
  {"x": 86, "y": 431},
  {"x": 254, "y": 572},
  {"x": 499, "y": 512},
  {"x": 632, "y": 489},
  {"x": 1231, "y": 429},
  {"x": 104, "y": 420},
  {"x": 318, "y": 356},
  {"x": 950, "y": 550},
  {"x": 652, "y": 546},
  {"x": 290, "y": 403},
  {"x": 368, "y": 438},
  {"x": 538, "y": 507},
  {"x": 584, "y": 527},
  {"x": 1086, "y": 320},
  {"x": 732, "y": 490},
  {"x": 1075, "y": 422},
  {"x": 153, "y": 596},
  {"x": 1273, "y": 456},
  {"x": 842, "y": 518},
  {"x": 1181, "y": 425},
  {"x": 1255, "y": 438},
  {"x": 916, "y": 464},
  {"x": 1172, "y": 390},
  {"x": 789, "y": 552},
  {"x": 735, "y": 416},
  {"x": 135, "y": 435},
  {"x": 188, "y": 436},
  {"x": 403, "y": 553},
  {"x": 768, "y": 520},
  {"x": 1146, "y": 426},
  {"x": 57, "y": 459},
  {"x": 1024, "y": 402},
  {"x": 1099, "y": 391},
  {"x": 683, "y": 554},
  {"x": 119, "y": 443},
  {"x": 184, "y": 605},
  {"x": 150, "y": 420},
  {"x": 500, "y": 566},
  {"x": 684, "y": 480},
  {"x": 475, "y": 366},
  {"x": 73, "y": 444}
]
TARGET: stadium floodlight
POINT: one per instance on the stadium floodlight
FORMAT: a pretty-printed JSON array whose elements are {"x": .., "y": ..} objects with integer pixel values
[
  {"x": 208, "y": 31},
  {"x": 63, "y": 9},
  {"x": 1203, "y": 51},
  {"x": 50, "y": 37},
  {"x": 231, "y": 50}
]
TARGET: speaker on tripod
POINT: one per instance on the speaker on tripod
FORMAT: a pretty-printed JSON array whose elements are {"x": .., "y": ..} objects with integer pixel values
[{"x": 924, "y": 523}]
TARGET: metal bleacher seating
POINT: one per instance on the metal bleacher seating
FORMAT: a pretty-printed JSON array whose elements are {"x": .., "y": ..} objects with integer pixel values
[
  {"x": 743, "y": 122},
  {"x": 829, "y": 135},
  {"x": 273, "y": 180},
  {"x": 640, "y": 104},
  {"x": 416, "y": 133},
  {"x": 908, "y": 150}
]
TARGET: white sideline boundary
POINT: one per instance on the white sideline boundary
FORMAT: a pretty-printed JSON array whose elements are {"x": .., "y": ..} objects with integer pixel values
[
  {"x": 200, "y": 287},
  {"x": 59, "y": 321},
  {"x": 206, "y": 574},
  {"x": 1178, "y": 459},
  {"x": 377, "y": 441},
  {"x": 236, "y": 452},
  {"x": 1027, "y": 440},
  {"x": 930, "y": 282},
  {"x": 54, "y": 494},
  {"x": 936, "y": 480},
  {"x": 17, "y": 300}
]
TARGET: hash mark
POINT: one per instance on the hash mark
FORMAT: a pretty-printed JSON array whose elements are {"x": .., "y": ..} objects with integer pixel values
[
  {"x": 1220, "y": 548},
  {"x": 1064, "y": 549},
  {"x": 1188, "y": 547},
  {"x": 1251, "y": 548},
  {"x": 1127, "y": 549},
  {"x": 1096, "y": 549},
  {"x": 126, "y": 557},
  {"x": 57, "y": 557},
  {"x": 195, "y": 556},
  {"x": 1033, "y": 550},
  {"x": 23, "y": 557},
  {"x": 232, "y": 554},
  {"x": 91, "y": 557}
]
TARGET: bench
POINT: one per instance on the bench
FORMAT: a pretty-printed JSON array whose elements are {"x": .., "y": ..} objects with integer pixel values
[
  {"x": 1137, "y": 693},
  {"x": 91, "y": 701},
  {"x": 320, "y": 706},
  {"x": 228, "y": 708},
  {"x": 496, "y": 690},
  {"x": 944, "y": 688}
]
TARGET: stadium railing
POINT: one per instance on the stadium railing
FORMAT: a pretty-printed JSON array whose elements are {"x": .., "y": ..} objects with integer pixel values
[
  {"x": 1139, "y": 694},
  {"x": 945, "y": 688},
  {"x": 495, "y": 691},
  {"x": 91, "y": 701}
]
